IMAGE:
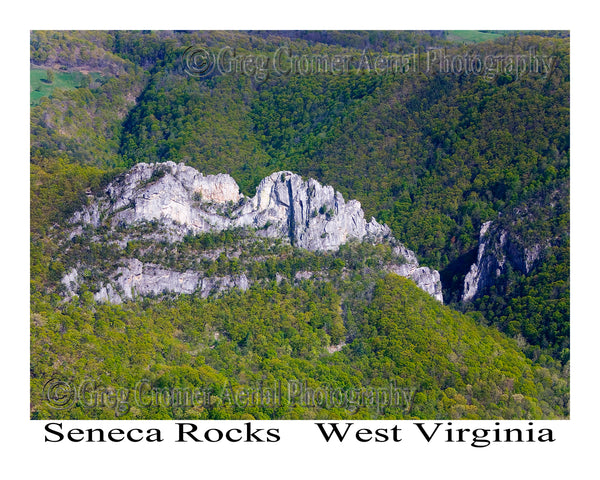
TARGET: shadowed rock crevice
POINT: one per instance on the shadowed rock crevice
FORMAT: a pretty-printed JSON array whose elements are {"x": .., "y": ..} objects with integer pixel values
[{"x": 292, "y": 214}]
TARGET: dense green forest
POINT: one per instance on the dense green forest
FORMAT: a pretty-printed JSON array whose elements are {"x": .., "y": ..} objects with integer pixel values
[
  {"x": 454, "y": 367},
  {"x": 432, "y": 154}
]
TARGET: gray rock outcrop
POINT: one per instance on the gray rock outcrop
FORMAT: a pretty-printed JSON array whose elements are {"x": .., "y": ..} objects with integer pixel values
[
  {"x": 180, "y": 201},
  {"x": 313, "y": 216},
  {"x": 136, "y": 279},
  {"x": 169, "y": 193},
  {"x": 108, "y": 294},
  {"x": 310, "y": 215},
  {"x": 497, "y": 248},
  {"x": 70, "y": 282},
  {"x": 425, "y": 278}
]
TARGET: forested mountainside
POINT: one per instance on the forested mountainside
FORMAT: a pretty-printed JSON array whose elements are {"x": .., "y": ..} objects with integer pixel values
[{"x": 467, "y": 172}]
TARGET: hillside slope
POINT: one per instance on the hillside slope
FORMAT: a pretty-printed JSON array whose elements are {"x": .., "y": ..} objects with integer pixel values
[{"x": 441, "y": 364}]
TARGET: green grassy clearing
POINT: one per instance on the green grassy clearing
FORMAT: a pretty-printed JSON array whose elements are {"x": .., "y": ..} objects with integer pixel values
[
  {"x": 39, "y": 87},
  {"x": 472, "y": 36}
]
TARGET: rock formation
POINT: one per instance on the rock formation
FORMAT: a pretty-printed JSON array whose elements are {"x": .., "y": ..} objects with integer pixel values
[
  {"x": 497, "y": 249},
  {"x": 181, "y": 201},
  {"x": 426, "y": 278},
  {"x": 310, "y": 215},
  {"x": 136, "y": 279}
]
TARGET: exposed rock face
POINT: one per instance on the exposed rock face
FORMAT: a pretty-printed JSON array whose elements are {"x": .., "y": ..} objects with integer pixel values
[
  {"x": 425, "y": 278},
  {"x": 138, "y": 279},
  {"x": 182, "y": 201},
  {"x": 108, "y": 294},
  {"x": 497, "y": 248},
  {"x": 71, "y": 282},
  {"x": 484, "y": 271},
  {"x": 310, "y": 215},
  {"x": 169, "y": 193}
]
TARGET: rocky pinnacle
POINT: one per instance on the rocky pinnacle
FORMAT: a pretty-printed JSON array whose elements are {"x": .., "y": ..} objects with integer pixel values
[{"x": 183, "y": 201}]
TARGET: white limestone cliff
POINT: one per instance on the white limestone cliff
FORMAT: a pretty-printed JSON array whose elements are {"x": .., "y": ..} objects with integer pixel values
[{"x": 182, "y": 201}]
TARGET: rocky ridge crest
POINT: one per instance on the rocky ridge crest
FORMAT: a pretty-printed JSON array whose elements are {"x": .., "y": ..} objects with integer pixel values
[{"x": 181, "y": 201}]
